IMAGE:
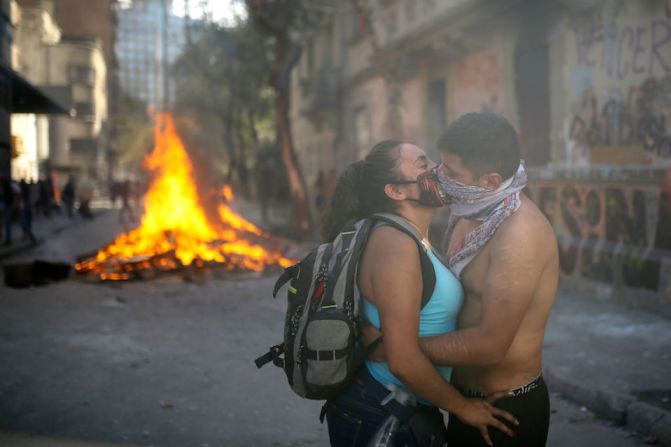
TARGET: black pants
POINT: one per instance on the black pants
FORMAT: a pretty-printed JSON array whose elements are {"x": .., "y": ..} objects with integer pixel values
[{"x": 530, "y": 405}]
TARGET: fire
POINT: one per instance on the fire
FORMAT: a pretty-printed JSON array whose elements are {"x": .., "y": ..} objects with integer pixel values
[{"x": 175, "y": 231}]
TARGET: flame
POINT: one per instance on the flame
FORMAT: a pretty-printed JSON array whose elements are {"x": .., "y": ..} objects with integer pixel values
[
  {"x": 175, "y": 230},
  {"x": 227, "y": 193}
]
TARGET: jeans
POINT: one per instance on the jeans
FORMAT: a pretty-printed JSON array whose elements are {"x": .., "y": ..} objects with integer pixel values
[{"x": 356, "y": 414}]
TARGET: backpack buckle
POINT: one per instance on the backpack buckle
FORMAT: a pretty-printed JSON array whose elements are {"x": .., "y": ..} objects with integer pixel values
[{"x": 273, "y": 355}]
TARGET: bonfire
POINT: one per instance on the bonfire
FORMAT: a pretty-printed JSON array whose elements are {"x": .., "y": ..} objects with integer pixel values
[{"x": 175, "y": 232}]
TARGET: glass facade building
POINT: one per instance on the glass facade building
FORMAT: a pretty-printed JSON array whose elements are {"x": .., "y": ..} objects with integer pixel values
[{"x": 140, "y": 49}]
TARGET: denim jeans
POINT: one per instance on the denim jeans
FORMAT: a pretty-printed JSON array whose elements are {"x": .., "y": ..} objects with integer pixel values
[{"x": 356, "y": 414}]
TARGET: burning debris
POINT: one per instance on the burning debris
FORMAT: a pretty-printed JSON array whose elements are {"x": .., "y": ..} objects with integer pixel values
[{"x": 175, "y": 233}]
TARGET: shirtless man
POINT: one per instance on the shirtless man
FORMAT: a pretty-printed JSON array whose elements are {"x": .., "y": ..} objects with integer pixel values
[{"x": 505, "y": 253}]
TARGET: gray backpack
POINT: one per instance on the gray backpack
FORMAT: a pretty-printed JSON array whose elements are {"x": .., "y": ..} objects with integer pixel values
[{"x": 322, "y": 351}]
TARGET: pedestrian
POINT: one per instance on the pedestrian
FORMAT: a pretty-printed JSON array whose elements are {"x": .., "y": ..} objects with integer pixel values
[
  {"x": 6, "y": 198},
  {"x": 504, "y": 251},
  {"x": 26, "y": 212},
  {"x": 84, "y": 197},
  {"x": 390, "y": 281},
  {"x": 68, "y": 195},
  {"x": 43, "y": 202},
  {"x": 126, "y": 211}
]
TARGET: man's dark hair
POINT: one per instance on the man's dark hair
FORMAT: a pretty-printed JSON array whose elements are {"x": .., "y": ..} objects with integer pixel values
[{"x": 485, "y": 142}]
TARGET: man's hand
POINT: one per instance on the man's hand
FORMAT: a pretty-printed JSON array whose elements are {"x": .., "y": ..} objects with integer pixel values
[{"x": 368, "y": 335}]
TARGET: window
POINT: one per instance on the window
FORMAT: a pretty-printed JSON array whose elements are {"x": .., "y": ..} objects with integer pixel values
[{"x": 81, "y": 74}]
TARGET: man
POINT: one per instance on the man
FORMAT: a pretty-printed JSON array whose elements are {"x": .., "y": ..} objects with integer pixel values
[{"x": 504, "y": 251}]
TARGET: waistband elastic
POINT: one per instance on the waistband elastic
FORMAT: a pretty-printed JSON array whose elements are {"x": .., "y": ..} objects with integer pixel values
[{"x": 524, "y": 389}]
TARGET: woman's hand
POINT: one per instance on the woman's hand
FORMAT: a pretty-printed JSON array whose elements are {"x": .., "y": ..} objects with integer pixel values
[{"x": 481, "y": 414}]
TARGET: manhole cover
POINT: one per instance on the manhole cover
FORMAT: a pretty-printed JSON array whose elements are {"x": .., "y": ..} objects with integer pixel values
[{"x": 660, "y": 398}]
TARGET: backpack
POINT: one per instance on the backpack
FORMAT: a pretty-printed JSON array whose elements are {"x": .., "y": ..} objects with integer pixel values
[{"x": 322, "y": 351}]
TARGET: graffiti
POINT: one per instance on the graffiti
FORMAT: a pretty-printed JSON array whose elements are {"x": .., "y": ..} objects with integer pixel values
[
  {"x": 609, "y": 232},
  {"x": 642, "y": 118},
  {"x": 625, "y": 51}
]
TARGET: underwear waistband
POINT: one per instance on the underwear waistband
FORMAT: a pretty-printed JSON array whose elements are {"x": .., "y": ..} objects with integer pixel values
[{"x": 524, "y": 389}]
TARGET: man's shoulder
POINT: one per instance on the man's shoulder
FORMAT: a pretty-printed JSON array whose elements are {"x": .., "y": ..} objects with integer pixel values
[{"x": 528, "y": 225}]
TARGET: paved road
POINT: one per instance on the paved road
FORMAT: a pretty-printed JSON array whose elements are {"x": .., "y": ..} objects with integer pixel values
[{"x": 166, "y": 363}]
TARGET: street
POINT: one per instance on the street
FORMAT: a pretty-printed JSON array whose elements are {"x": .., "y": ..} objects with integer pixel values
[{"x": 167, "y": 362}]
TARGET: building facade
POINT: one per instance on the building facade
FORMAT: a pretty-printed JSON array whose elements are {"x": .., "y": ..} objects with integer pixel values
[
  {"x": 146, "y": 50},
  {"x": 23, "y": 131},
  {"x": 74, "y": 70},
  {"x": 586, "y": 84}
]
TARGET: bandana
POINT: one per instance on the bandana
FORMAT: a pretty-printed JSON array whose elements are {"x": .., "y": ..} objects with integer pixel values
[{"x": 490, "y": 208}]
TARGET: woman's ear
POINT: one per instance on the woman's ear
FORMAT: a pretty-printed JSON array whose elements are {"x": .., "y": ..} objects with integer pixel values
[{"x": 394, "y": 192}]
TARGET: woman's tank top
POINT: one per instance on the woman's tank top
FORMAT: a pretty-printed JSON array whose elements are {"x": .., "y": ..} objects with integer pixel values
[{"x": 438, "y": 316}]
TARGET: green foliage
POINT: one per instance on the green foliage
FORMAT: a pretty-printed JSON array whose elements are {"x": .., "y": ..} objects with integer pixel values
[
  {"x": 135, "y": 130},
  {"x": 223, "y": 103}
]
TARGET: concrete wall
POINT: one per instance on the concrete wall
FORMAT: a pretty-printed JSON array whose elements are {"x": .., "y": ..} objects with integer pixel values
[
  {"x": 586, "y": 84},
  {"x": 616, "y": 85}
]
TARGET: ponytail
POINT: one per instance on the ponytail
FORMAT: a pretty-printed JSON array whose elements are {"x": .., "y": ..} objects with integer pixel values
[{"x": 360, "y": 189}]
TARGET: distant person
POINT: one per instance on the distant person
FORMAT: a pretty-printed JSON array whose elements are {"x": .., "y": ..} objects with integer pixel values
[
  {"x": 44, "y": 203},
  {"x": 26, "y": 211},
  {"x": 6, "y": 202},
  {"x": 84, "y": 197},
  {"x": 13, "y": 208},
  {"x": 114, "y": 193},
  {"x": 68, "y": 196},
  {"x": 126, "y": 212}
]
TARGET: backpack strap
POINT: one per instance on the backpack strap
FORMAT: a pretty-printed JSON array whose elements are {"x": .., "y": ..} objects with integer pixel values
[
  {"x": 428, "y": 272},
  {"x": 288, "y": 274}
]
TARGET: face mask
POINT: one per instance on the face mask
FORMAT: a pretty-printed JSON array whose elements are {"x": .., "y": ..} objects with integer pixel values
[
  {"x": 430, "y": 192},
  {"x": 470, "y": 201}
]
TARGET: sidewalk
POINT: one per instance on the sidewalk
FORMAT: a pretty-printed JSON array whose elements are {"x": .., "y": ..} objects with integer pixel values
[
  {"x": 612, "y": 359},
  {"x": 44, "y": 229}
]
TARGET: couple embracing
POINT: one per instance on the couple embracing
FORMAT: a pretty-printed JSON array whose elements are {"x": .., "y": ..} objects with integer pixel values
[{"x": 474, "y": 348}]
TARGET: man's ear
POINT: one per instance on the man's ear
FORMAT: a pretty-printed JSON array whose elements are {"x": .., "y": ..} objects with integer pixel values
[
  {"x": 393, "y": 192},
  {"x": 491, "y": 181}
]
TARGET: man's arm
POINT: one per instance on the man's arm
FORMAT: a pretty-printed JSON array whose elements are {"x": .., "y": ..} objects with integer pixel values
[
  {"x": 395, "y": 280},
  {"x": 516, "y": 263}
]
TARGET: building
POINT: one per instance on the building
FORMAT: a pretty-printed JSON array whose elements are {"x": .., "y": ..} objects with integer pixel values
[
  {"x": 72, "y": 69},
  {"x": 20, "y": 103},
  {"x": 146, "y": 50},
  {"x": 587, "y": 85},
  {"x": 96, "y": 18}
]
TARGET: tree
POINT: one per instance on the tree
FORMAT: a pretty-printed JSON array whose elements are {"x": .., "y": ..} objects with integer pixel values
[
  {"x": 286, "y": 23},
  {"x": 221, "y": 84},
  {"x": 135, "y": 130}
]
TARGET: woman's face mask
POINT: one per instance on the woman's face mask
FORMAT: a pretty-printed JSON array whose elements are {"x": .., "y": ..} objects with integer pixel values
[{"x": 430, "y": 192}]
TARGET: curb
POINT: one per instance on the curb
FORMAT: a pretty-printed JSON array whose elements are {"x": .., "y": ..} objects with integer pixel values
[{"x": 622, "y": 409}]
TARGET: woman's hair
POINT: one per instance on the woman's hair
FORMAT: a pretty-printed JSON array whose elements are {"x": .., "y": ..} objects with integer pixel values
[{"x": 360, "y": 189}]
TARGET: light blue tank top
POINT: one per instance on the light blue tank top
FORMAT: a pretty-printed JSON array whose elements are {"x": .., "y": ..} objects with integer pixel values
[{"x": 438, "y": 316}]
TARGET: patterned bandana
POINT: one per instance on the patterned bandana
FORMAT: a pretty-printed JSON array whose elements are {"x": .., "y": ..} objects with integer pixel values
[{"x": 490, "y": 208}]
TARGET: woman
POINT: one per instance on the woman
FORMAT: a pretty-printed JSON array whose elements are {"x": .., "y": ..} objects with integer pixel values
[{"x": 390, "y": 279}]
